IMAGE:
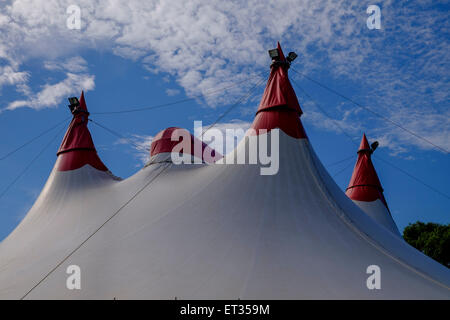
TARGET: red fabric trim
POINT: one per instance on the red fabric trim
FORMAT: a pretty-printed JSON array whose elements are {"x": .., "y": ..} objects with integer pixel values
[
  {"x": 77, "y": 147},
  {"x": 279, "y": 107},
  {"x": 76, "y": 159},
  {"x": 279, "y": 92},
  {"x": 364, "y": 184},
  {"x": 284, "y": 119},
  {"x": 364, "y": 193},
  {"x": 77, "y": 135},
  {"x": 162, "y": 143}
]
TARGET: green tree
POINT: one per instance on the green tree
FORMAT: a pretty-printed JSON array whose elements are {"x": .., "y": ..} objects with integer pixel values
[{"x": 432, "y": 239}]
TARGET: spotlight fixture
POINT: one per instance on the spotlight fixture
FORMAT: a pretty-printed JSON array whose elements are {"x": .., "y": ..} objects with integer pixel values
[
  {"x": 291, "y": 56},
  {"x": 273, "y": 53},
  {"x": 74, "y": 104},
  {"x": 374, "y": 145}
]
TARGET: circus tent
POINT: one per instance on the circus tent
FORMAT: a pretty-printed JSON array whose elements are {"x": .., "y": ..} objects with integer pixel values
[{"x": 210, "y": 230}]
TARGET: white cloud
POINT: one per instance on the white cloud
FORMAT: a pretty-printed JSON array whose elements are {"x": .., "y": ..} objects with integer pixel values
[
  {"x": 172, "y": 92},
  {"x": 76, "y": 79},
  {"x": 9, "y": 76},
  {"x": 73, "y": 64},
  {"x": 52, "y": 94},
  {"x": 140, "y": 145},
  {"x": 208, "y": 44}
]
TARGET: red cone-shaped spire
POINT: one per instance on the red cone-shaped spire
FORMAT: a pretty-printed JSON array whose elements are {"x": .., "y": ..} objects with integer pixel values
[
  {"x": 77, "y": 148},
  {"x": 364, "y": 145},
  {"x": 364, "y": 184},
  {"x": 163, "y": 143},
  {"x": 279, "y": 107},
  {"x": 83, "y": 102},
  {"x": 280, "y": 52}
]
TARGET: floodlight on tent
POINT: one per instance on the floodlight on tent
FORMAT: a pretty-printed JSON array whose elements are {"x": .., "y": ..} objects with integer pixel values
[
  {"x": 374, "y": 145},
  {"x": 273, "y": 53},
  {"x": 74, "y": 104},
  {"x": 291, "y": 56}
]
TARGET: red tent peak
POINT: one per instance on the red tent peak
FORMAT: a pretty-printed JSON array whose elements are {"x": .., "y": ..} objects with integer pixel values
[
  {"x": 364, "y": 184},
  {"x": 364, "y": 145},
  {"x": 82, "y": 102},
  {"x": 77, "y": 148},
  {"x": 163, "y": 143},
  {"x": 279, "y": 92},
  {"x": 166, "y": 133},
  {"x": 279, "y": 107},
  {"x": 280, "y": 52}
]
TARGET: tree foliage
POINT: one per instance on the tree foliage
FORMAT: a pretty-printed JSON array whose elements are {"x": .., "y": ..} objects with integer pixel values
[{"x": 432, "y": 239}]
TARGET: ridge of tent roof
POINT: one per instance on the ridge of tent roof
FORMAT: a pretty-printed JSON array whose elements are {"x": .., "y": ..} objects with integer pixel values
[{"x": 77, "y": 147}]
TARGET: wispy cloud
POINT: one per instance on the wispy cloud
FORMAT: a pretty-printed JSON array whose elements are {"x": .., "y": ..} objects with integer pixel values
[
  {"x": 76, "y": 79},
  {"x": 9, "y": 76},
  {"x": 140, "y": 146},
  {"x": 52, "y": 94},
  {"x": 172, "y": 92},
  {"x": 73, "y": 64}
]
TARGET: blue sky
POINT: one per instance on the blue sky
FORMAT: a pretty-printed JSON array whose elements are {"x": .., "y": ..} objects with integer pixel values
[{"x": 131, "y": 54}]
